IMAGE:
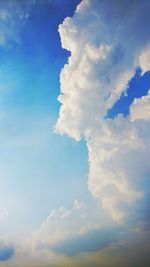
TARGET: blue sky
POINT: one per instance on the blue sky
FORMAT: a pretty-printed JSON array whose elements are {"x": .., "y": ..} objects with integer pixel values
[
  {"x": 74, "y": 162},
  {"x": 139, "y": 81},
  {"x": 36, "y": 176}
]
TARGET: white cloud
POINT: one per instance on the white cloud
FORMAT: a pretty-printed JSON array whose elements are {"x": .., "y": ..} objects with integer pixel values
[
  {"x": 144, "y": 60},
  {"x": 104, "y": 38},
  {"x": 66, "y": 223},
  {"x": 140, "y": 108}
]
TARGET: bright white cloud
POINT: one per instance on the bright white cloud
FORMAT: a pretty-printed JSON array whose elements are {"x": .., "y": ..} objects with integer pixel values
[{"x": 104, "y": 38}]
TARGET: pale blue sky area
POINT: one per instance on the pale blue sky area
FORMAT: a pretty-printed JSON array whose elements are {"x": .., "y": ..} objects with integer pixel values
[{"x": 40, "y": 170}]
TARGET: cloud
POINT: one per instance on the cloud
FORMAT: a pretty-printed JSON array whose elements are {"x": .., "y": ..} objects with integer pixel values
[
  {"x": 72, "y": 232},
  {"x": 132, "y": 253},
  {"x": 144, "y": 60},
  {"x": 104, "y": 38},
  {"x": 66, "y": 223},
  {"x": 6, "y": 251},
  {"x": 140, "y": 108},
  {"x": 13, "y": 17},
  {"x": 91, "y": 241},
  {"x": 62, "y": 241}
]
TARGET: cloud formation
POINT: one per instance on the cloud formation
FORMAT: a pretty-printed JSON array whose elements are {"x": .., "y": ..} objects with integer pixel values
[
  {"x": 66, "y": 223},
  {"x": 68, "y": 233},
  {"x": 64, "y": 239},
  {"x": 91, "y": 241},
  {"x": 104, "y": 58}
]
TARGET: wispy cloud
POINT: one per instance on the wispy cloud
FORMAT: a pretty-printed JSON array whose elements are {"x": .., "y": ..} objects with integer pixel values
[{"x": 13, "y": 15}]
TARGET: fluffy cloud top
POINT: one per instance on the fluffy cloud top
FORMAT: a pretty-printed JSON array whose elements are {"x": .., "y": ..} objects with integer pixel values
[{"x": 108, "y": 40}]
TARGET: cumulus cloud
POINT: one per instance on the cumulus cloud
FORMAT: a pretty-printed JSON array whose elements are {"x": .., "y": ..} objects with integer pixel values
[
  {"x": 6, "y": 251},
  {"x": 77, "y": 237},
  {"x": 77, "y": 230},
  {"x": 104, "y": 38},
  {"x": 66, "y": 223}
]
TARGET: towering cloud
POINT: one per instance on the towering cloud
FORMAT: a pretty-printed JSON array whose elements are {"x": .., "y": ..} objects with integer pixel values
[{"x": 108, "y": 40}]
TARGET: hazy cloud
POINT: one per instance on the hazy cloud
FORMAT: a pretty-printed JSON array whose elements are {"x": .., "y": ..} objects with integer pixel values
[{"x": 92, "y": 241}]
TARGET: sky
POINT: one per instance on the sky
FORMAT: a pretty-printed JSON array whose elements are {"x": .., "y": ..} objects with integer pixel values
[{"x": 74, "y": 133}]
